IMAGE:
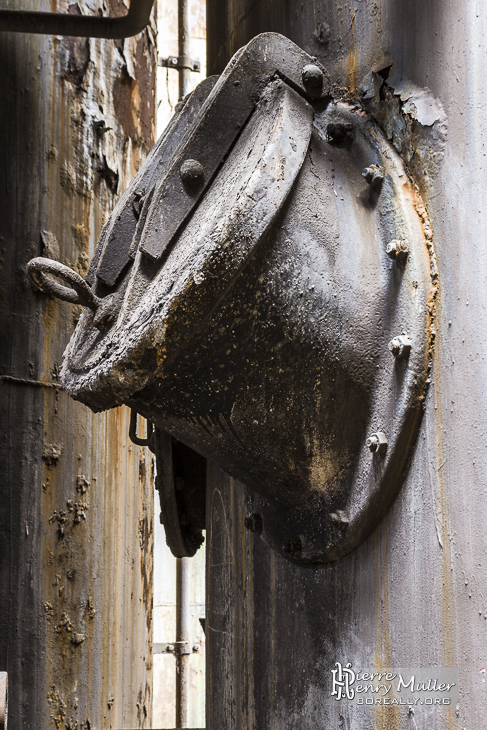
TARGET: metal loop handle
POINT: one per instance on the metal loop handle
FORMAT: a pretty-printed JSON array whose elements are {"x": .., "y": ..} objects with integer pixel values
[
  {"x": 133, "y": 431},
  {"x": 79, "y": 293}
]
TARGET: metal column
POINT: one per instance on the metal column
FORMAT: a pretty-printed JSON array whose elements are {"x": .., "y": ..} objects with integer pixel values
[
  {"x": 182, "y": 641},
  {"x": 184, "y": 33}
]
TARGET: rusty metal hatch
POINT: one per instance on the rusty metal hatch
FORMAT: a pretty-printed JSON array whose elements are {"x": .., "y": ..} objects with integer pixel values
[{"x": 263, "y": 293}]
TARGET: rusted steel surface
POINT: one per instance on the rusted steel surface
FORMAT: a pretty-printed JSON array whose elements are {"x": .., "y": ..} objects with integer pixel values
[
  {"x": 76, "y": 507},
  {"x": 414, "y": 593},
  {"x": 177, "y": 348}
]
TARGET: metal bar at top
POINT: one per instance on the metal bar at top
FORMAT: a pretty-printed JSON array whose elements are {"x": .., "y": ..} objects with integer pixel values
[{"x": 124, "y": 26}]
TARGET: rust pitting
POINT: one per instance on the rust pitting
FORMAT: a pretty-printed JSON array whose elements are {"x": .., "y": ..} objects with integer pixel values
[
  {"x": 78, "y": 54},
  {"x": 81, "y": 552}
]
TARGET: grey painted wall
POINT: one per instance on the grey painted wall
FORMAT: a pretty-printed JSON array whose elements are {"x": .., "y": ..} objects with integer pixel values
[{"x": 415, "y": 594}]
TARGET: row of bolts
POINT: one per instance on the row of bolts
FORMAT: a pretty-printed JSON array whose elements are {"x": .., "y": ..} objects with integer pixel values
[
  {"x": 397, "y": 250},
  {"x": 192, "y": 175}
]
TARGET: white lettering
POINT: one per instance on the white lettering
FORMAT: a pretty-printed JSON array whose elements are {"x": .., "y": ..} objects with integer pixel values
[
  {"x": 342, "y": 679},
  {"x": 404, "y": 684}
]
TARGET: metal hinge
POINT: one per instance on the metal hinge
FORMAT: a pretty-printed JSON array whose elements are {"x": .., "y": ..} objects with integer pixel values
[{"x": 180, "y": 62}]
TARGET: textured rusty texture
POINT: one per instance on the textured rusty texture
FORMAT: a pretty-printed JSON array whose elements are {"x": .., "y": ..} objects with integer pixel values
[
  {"x": 413, "y": 594},
  {"x": 76, "y": 508},
  {"x": 245, "y": 340}
]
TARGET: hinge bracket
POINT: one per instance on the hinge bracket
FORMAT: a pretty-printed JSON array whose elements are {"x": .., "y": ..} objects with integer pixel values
[{"x": 180, "y": 62}]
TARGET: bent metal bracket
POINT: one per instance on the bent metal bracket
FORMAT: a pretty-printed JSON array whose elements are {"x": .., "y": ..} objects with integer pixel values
[{"x": 263, "y": 293}]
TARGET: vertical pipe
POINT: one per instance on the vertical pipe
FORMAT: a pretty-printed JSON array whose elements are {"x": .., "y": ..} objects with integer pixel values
[
  {"x": 182, "y": 642},
  {"x": 184, "y": 34}
]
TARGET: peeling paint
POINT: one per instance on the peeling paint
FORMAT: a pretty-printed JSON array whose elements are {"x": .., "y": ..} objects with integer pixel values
[{"x": 411, "y": 117}]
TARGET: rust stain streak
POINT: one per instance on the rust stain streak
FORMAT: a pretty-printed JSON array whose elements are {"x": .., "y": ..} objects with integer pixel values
[{"x": 352, "y": 64}]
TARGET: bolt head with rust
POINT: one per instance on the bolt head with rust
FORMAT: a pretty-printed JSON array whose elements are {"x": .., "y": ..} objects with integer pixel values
[
  {"x": 400, "y": 346},
  {"x": 374, "y": 175},
  {"x": 377, "y": 443},
  {"x": 398, "y": 250},
  {"x": 312, "y": 77},
  {"x": 192, "y": 173}
]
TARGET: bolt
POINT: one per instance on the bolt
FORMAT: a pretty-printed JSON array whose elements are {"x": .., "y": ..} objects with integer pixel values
[
  {"x": 340, "y": 519},
  {"x": 293, "y": 547},
  {"x": 254, "y": 523},
  {"x": 196, "y": 648},
  {"x": 138, "y": 202},
  {"x": 400, "y": 346},
  {"x": 192, "y": 173},
  {"x": 312, "y": 77},
  {"x": 377, "y": 443},
  {"x": 374, "y": 175},
  {"x": 339, "y": 132},
  {"x": 170, "y": 649},
  {"x": 398, "y": 250}
]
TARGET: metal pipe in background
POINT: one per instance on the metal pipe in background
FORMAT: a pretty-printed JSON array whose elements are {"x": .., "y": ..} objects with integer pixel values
[
  {"x": 184, "y": 40},
  {"x": 94, "y": 26},
  {"x": 182, "y": 642}
]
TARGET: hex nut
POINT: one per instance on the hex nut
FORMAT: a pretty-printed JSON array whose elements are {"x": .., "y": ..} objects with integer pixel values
[
  {"x": 192, "y": 173},
  {"x": 312, "y": 77},
  {"x": 398, "y": 250},
  {"x": 377, "y": 443},
  {"x": 400, "y": 346},
  {"x": 374, "y": 175}
]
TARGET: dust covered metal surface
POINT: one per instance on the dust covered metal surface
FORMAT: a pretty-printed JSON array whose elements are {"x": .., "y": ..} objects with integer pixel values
[{"x": 281, "y": 322}]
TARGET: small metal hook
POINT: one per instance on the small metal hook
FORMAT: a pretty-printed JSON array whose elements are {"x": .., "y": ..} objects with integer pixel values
[{"x": 79, "y": 292}]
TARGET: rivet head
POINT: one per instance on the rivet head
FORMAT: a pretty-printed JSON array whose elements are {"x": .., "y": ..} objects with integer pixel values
[
  {"x": 374, "y": 175},
  {"x": 400, "y": 346},
  {"x": 340, "y": 519},
  {"x": 377, "y": 443},
  {"x": 192, "y": 173},
  {"x": 254, "y": 523},
  {"x": 312, "y": 77},
  {"x": 398, "y": 250}
]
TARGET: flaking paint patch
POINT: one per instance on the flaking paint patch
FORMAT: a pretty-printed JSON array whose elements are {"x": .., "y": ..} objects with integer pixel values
[{"x": 412, "y": 118}]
